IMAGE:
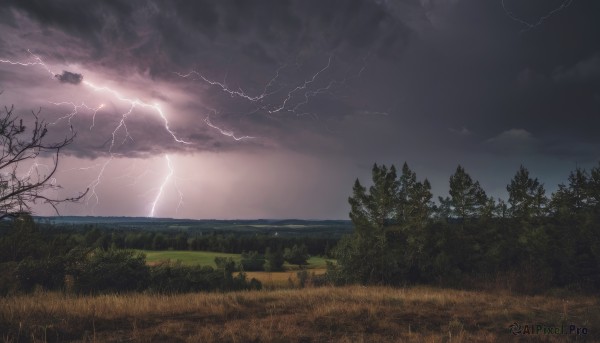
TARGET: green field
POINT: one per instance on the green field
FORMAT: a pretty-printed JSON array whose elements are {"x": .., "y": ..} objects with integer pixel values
[
  {"x": 207, "y": 258},
  {"x": 314, "y": 262},
  {"x": 190, "y": 258}
]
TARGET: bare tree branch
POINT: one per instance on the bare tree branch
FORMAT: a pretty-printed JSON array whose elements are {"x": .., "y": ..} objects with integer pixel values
[{"x": 18, "y": 192}]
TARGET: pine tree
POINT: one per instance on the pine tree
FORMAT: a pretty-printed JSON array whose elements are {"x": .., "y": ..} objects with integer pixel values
[
  {"x": 273, "y": 260},
  {"x": 526, "y": 196},
  {"x": 467, "y": 198},
  {"x": 366, "y": 256},
  {"x": 414, "y": 204},
  {"x": 571, "y": 200}
]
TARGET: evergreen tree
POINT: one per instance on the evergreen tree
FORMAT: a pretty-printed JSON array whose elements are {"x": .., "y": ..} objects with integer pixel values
[
  {"x": 273, "y": 260},
  {"x": 467, "y": 198},
  {"x": 413, "y": 214},
  {"x": 366, "y": 256},
  {"x": 571, "y": 200},
  {"x": 389, "y": 220},
  {"x": 594, "y": 188},
  {"x": 414, "y": 205},
  {"x": 526, "y": 196},
  {"x": 575, "y": 212},
  {"x": 296, "y": 255},
  {"x": 373, "y": 210},
  {"x": 252, "y": 261}
]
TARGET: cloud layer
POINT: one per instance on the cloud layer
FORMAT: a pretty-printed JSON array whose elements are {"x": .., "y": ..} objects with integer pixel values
[{"x": 435, "y": 83}]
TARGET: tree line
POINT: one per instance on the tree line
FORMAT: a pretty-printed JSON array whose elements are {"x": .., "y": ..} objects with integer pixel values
[
  {"x": 169, "y": 239},
  {"x": 529, "y": 243},
  {"x": 90, "y": 260},
  {"x": 32, "y": 257},
  {"x": 226, "y": 242}
]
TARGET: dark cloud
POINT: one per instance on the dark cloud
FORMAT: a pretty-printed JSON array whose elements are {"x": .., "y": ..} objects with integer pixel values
[
  {"x": 68, "y": 77},
  {"x": 585, "y": 70},
  {"x": 461, "y": 132},
  {"x": 436, "y": 82},
  {"x": 513, "y": 141},
  {"x": 183, "y": 32}
]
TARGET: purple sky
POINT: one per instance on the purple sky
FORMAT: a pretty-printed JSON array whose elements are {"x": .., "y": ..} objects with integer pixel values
[{"x": 270, "y": 109}]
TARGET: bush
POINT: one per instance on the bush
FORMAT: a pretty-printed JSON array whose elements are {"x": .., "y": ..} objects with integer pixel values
[
  {"x": 273, "y": 260},
  {"x": 171, "y": 277},
  {"x": 252, "y": 261},
  {"x": 112, "y": 271},
  {"x": 226, "y": 264},
  {"x": 240, "y": 282},
  {"x": 48, "y": 273},
  {"x": 9, "y": 282},
  {"x": 296, "y": 255}
]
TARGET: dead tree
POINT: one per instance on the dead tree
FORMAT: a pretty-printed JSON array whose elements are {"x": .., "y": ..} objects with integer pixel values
[{"x": 20, "y": 188}]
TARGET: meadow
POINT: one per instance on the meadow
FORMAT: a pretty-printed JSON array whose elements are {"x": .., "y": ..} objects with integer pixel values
[
  {"x": 207, "y": 258},
  {"x": 326, "y": 314},
  {"x": 270, "y": 280},
  {"x": 188, "y": 258}
]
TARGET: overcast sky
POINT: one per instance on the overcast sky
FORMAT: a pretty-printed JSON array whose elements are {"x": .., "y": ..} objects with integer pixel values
[{"x": 271, "y": 109}]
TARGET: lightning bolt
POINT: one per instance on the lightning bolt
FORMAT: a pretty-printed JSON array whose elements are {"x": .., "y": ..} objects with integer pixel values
[
  {"x": 301, "y": 87},
  {"x": 75, "y": 111},
  {"x": 38, "y": 61},
  {"x": 239, "y": 92},
  {"x": 226, "y": 132},
  {"x": 35, "y": 166},
  {"x": 540, "y": 21},
  {"x": 162, "y": 187},
  {"x": 96, "y": 182},
  {"x": 122, "y": 125},
  {"x": 310, "y": 94},
  {"x": 133, "y": 102},
  {"x": 294, "y": 99},
  {"x": 257, "y": 98}
]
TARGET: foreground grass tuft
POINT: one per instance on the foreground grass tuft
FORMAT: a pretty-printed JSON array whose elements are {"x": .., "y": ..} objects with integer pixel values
[{"x": 345, "y": 314}]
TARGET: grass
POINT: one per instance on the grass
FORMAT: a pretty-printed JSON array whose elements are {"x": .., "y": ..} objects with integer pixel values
[
  {"x": 283, "y": 279},
  {"x": 190, "y": 258},
  {"x": 278, "y": 280},
  {"x": 207, "y": 258},
  {"x": 344, "y": 314},
  {"x": 314, "y": 262}
]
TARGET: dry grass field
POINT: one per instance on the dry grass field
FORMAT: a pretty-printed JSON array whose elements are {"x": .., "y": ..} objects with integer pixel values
[
  {"x": 344, "y": 314},
  {"x": 278, "y": 280}
]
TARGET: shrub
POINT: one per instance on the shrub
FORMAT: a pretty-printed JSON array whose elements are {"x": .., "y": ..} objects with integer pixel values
[
  {"x": 48, "y": 273},
  {"x": 273, "y": 260},
  {"x": 171, "y": 277},
  {"x": 296, "y": 255},
  {"x": 252, "y": 261},
  {"x": 111, "y": 271},
  {"x": 9, "y": 282}
]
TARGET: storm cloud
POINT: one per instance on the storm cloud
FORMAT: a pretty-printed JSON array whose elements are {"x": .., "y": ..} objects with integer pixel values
[
  {"x": 68, "y": 77},
  {"x": 435, "y": 83}
]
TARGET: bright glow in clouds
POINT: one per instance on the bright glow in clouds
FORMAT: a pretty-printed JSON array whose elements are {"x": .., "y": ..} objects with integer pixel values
[
  {"x": 132, "y": 102},
  {"x": 112, "y": 177},
  {"x": 213, "y": 184},
  {"x": 326, "y": 89}
]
